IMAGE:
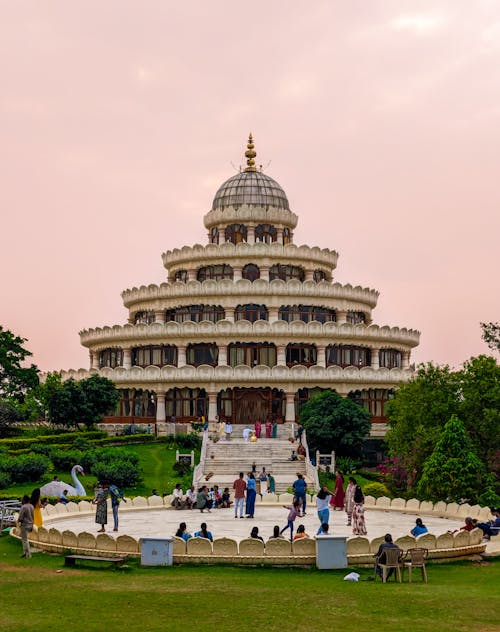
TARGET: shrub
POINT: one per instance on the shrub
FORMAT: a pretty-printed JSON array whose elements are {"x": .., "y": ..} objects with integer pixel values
[
  {"x": 5, "y": 480},
  {"x": 64, "y": 461},
  {"x": 190, "y": 440},
  {"x": 347, "y": 465},
  {"x": 181, "y": 468},
  {"x": 376, "y": 490},
  {"x": 120, "y": 472},
  {"x": 26, "y": 467}
]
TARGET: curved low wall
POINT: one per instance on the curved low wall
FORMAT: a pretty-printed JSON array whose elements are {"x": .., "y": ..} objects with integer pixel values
[{"x": 360, "y": 550}]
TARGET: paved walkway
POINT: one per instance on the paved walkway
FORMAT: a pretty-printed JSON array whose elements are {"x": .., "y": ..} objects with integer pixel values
[{"x": 221, "y": 522}]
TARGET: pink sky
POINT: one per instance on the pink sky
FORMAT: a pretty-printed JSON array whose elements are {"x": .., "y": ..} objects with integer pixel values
[{"x": 119, "y": 120}]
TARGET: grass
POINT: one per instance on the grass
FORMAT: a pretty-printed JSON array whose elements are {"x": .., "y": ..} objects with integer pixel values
[
  {"x": 155, "y": 459},
  {"x": 41, "y": 594}
]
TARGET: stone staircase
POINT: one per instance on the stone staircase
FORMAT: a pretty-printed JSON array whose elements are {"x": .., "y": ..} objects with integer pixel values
[{"x": 225, "y": 459}]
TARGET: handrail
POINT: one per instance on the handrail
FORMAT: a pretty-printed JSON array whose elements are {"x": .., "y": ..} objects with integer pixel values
[
  {"x": 198, "y": 470},
  {"x": 311, "y": 470}
]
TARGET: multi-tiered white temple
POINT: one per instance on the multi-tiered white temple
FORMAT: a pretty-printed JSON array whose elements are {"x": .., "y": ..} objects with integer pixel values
[{"x": 249, "y": 325}]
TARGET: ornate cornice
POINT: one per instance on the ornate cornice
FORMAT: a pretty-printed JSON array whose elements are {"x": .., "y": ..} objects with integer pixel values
[
  {"x": 275, "y": 293},
  {"x": 243, "y": 253},
  {"x": 253, "y": 214},
  {"x": 225, "y": 332},
  {"x": 221, "y": 377}
]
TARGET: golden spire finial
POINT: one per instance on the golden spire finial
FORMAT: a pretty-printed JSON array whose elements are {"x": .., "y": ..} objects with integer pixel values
[{"x": 250, "y": 154}]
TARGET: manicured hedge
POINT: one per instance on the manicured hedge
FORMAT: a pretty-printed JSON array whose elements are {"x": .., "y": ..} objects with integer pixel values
[{"x": 69, "y": 437}]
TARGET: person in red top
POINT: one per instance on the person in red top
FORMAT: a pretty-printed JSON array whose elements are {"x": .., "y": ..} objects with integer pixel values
[{"x": 239, "y": 487}]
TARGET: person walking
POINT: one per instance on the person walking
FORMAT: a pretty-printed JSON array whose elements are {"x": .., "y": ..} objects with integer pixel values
[
  {"x": 37, "y": 507},
  {"x": 299, "y": 490},
  {"x": 239, "y": 487},
  {"x": 25, "y": 521},
  {"x": 349, "y": 499},
  {"x": 293, "y": 512},
  {"x": 337, "y": 501},
  {"x": 116, "y": 498},
  {"x": 322, "y": 500},
  {"x": 251, "y": 495},
  {"x": 100, "y": 499},
  {"x": 358, "y": 513}
]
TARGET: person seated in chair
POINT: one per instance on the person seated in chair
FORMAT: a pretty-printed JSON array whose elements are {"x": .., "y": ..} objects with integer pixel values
[{"x": 380, "y": 557}]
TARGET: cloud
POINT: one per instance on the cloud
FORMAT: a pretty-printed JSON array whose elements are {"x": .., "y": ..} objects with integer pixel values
[{"x": 418, "y": 24}]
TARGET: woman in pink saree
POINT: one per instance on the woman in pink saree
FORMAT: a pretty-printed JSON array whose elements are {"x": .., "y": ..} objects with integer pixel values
[
  {"x": 337, "y": 501},
  {"x": 258, "y": 429}
]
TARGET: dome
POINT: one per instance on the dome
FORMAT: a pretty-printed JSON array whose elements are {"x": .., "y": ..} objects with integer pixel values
[{"x": 253, "y": 188}]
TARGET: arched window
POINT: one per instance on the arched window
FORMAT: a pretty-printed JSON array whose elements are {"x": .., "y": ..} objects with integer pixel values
[
  {"x": 154, "y": 355},
  {"x": 286, "y": 272},
  {"x": 181, "y": 275},
  {"x": 250, "y": 272},
  {"x": 356, "y": 318},
  {"x": 216, "y": 273},
  {"x": 319, "y": 275},
  {"x": 236, "y": 233},
  {"x": 252, "y": 354},
  {"x": 111, "y": 358},
  {"x": 195, "y": 313},
  {"x": 265, "y": 233},
  {"x": 390, "y": 358},
  {"x": 250, "y": 312},
  {"x": 144, "y": 318},
  {"x": 214, "y": 235},
  {"x": 186, "y": 404},
  {"x": 135, "y": 402},
  {"x": 348, "y": 355},
  {"x": 202, "y": 353},
  {"x": 303, "y": 354},
  {"x": 287, "y": 236},
  {"x": 306, "y": 313}
]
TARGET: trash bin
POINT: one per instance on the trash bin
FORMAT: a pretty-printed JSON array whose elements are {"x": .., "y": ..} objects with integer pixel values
[
  {"x": 157, "y": 551},
  {"x": 331, "y": 551}
]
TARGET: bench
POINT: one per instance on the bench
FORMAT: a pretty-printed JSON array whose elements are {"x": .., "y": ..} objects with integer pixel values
[{"x": 71, "y": 560}]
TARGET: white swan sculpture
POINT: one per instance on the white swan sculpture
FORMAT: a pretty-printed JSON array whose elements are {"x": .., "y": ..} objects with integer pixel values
[{"x": 56, "y": 488}]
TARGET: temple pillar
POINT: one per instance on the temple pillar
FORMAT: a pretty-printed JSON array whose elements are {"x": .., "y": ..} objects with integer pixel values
[
  {"x": 237, "y": 273},
  {"x": 191, "y": 274},
  {"x": 279, "y": 235},
  {"x": 250, "y": 234},
  {"x": 159, "y": 316},
  {"x": 281, "y": 355},
  {"x": 273, "y": 313},
  {"x": 94, "y": 360},
  {"x": 341, "y": 316},
  {"x": 406, "y": 360},
  {"x": 160, "y": 407},
  {"x": 264, "y": 273},
  {"x": 212, "y": 407},
  {"x": 309, "y": 275},
  {"x": 321, "y": 356},
  {"x": 375, "y": 358},
  {"x": 290, "y": 407},
  {"x": 222, "y": 360},
  {"x": 181, "y": 355},
  {"x": 229, "y": 311},
  {"x": 127, "y": 359}
]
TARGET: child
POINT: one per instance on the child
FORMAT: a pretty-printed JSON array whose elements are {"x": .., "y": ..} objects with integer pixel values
[
  {"x": 226, "y": 498},
  {"x": 294, "y": 511}
]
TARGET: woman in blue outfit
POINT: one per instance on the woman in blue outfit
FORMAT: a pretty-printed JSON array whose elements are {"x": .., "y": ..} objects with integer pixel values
[
  {"x": 251, "y": 494},
  {"x": 204, "y": 533},
  {"x": 419, "y": 528}
]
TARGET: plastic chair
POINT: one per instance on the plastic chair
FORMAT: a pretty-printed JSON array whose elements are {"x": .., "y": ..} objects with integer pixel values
[
  {"x": 392, "y": 561},
  {"x": 415, "y": 558}
]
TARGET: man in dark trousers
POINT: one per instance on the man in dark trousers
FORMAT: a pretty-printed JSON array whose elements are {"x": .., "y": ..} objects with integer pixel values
[{"x": 380, "y": 554}]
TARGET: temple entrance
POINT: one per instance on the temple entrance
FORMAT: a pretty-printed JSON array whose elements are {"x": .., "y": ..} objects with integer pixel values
[{"x": 248, "y": 405}]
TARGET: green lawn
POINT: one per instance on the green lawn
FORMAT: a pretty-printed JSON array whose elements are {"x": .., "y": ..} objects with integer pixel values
[
  {"x": 42, "y": 594},
  {"x": 155, "y": 459}
]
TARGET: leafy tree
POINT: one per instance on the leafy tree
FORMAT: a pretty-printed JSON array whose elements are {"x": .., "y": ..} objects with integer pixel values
[
  {"x": 491, "y": 335},
  {"x": 335, "y": 423},
  {"x": 453, "y": 471},
  {"x": 36, "y": 401},
  {"x": 418, "y": 413},
  {"x": 15, "y": 379},
  {"x": 9, "y": 413},
  {"x": 84, "y": 402}
]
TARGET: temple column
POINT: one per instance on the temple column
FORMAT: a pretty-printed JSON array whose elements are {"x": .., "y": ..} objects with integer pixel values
[
  {"x": 229, "y": 311},
  {"x": 273, "y": 313},
  {"x": 309, "y": 275},
  {"x": 264, "y": 273},
  {"x": 279, "y": 236},
  {"x": 94, "y": 360},
  {"x": 250, "y": 234},
  {"x": 375, "y": 359},
  {"x": 160, "y": 407},
  {"x": 406, "y": 360},
  {"x": 159, "y": 316},
  {"x": 222, "y": 235},
  {"x": 222, "y": 361},
  {"x": 212, "y": 407},
  {"x": 127, "y": 359},
  {"x": 281, "y": 355},
  {"x": 237, "y": 273},
  {"x": 321, "y": 356},
  {"x": 290, "y": 407},
  {"x": 181, "y": 355},
  {"x": 341, "y": 316},
  {"x": 191, "y": 274}
]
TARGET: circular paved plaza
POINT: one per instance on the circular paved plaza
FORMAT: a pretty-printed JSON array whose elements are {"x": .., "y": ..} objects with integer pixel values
[{"x": 222, "y": 523}]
